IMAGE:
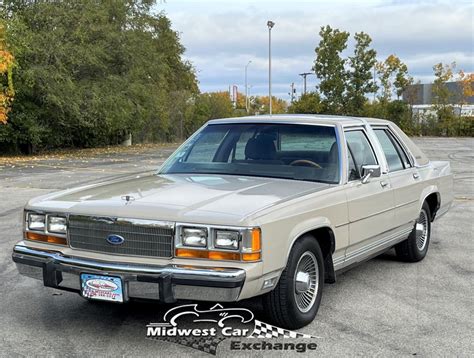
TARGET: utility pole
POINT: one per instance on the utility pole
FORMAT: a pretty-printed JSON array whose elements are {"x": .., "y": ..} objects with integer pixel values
[
  {"x": 304, "y": 75},
  {"x": 246, "y": 88},
  {"x": 292, "y": 93},
  {"x": 270, "y": 25}
]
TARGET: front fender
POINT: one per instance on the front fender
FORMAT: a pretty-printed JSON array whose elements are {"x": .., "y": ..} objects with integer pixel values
[{"x": 305, "y": 227}]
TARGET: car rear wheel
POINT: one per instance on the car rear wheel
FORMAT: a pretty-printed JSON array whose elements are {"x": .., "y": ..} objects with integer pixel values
[
  {"x": 295, "y": 300},
  {"x": 415, "y": 247}
]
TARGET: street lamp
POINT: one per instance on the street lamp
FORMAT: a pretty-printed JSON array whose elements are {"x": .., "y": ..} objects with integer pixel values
[
  {"x": 246, "y": 88},
  {"x": 249, "y": 91},
  {"x": 270, "y": 25}
]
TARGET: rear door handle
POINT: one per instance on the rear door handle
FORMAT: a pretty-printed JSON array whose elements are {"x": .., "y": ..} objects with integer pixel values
[
  {"x": 384, "y": 184},
  {"x": 416, "y": 176}
]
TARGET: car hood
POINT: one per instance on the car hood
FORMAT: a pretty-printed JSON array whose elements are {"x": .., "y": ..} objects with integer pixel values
[{"x": 213, "y": 199}]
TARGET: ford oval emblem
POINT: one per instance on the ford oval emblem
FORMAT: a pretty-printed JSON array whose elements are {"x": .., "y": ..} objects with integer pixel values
[{"x": 115, "y": 239}]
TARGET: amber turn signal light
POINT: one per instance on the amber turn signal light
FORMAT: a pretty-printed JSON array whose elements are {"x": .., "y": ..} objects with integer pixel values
[
  {"x": 46, "y": 238},
  {"x": 194, "y": 254},
  {"x": 211, "y": 255},
  {"x": 253, "y": 247},
  {"x": 256, "y": 239},
  {"x": 255, "y": 256},
  {"x": 217, "y": 255}
]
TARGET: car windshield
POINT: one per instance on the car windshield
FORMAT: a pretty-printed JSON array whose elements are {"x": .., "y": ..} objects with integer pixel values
[{"x": 288, "y": 151}]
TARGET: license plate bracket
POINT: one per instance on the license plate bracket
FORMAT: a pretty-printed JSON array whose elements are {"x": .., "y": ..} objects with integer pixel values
[{"x": 101, "y": 287}]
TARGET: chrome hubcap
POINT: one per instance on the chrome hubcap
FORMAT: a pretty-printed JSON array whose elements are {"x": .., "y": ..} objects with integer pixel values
[
  {"x": 306, "y": 281},
  {"x": 422, "y": 231},
  {"x": 302, "y": 282}
]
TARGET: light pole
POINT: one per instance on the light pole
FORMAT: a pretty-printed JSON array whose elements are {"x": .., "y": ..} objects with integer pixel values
[
  {"x": 270, "y": 25},
  {"x": 249, "y": 88},
  {"x": 246, "y": 88}
]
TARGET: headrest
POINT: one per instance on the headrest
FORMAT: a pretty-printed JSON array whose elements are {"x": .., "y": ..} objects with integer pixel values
[{"x": 260, "y": 148}]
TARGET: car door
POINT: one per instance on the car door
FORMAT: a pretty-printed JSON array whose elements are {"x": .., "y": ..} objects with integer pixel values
[
  {"x": 370, "y": 205},
  {"x": 403, "y": 176}
]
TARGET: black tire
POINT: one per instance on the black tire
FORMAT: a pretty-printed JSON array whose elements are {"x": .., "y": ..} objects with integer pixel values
[
  {"x": 281, "y": 304},
  {"x": 413, "y": 249}
]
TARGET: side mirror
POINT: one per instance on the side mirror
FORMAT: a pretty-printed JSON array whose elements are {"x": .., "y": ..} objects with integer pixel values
[{"x": 370, "y": 171}]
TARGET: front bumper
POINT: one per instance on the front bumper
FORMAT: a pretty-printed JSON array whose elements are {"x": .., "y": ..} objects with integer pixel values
[{"x": 166, "y": 283}]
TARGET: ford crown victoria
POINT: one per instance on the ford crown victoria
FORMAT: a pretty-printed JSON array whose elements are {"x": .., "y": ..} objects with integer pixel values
[{"x": 270, "y": 206}]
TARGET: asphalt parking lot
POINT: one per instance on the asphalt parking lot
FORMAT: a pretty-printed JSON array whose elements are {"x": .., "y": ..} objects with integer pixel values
[{"x": 382, "y": 307}]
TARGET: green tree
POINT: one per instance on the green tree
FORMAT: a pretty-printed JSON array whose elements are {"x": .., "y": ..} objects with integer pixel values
[
  {"x": 359, "y": 77},
  {"x": 402, "y": 80},
  {"x": 329, "y": 68},
  {"x": 208, "y": 106},
  {"x": 393, "y": 76},
  {"x": 90, "y": 72},
  {"x": 396, "y": 111},
  {"x": 308, "y": 103},
  {"x": 443, "y": 98}
]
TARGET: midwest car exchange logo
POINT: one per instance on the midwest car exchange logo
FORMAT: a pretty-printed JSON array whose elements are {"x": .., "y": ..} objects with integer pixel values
[{"x": 205, "y": 329}]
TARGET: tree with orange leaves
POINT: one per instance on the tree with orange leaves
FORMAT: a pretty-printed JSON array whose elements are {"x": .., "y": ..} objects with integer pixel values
[
  {"x": 6, "y": 84},
  {"x": 466, "y": 83}
]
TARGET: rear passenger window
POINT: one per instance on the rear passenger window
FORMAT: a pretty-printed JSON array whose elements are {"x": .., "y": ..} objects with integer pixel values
[
  {"x": 360, "y": 150},
  {"x": 306, "y": 139},
  {"x": 396, "y": 157}
]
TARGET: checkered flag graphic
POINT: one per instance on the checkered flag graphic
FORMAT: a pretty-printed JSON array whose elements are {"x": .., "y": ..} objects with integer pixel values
[
  {"x": 204, "y": 344},
  {"x": 86, "y": 291},
  {"x": 265, "y": 330}
]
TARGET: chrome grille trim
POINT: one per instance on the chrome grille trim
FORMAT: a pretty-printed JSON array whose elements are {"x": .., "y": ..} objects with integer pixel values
[{"x": 146, "y": 238}]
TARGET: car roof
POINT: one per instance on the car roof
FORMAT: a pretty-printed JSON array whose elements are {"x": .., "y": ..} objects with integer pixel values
[{"x": 323, "y": 119}]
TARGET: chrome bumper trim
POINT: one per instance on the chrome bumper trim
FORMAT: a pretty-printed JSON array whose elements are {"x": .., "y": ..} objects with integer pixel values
[{"x": 171, "y": 281}]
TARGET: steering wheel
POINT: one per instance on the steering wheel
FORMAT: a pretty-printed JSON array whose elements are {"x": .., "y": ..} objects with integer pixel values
[{"x": 306, "y": 161}]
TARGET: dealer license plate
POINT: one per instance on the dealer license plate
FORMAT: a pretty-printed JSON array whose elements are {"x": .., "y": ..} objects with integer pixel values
[{"x": 99, "y": 287}]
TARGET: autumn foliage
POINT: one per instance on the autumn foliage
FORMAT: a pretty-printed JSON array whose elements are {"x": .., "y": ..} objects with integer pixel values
[
  {"x": 6, "y": 89},
  {"x": 466, "y": 81}
]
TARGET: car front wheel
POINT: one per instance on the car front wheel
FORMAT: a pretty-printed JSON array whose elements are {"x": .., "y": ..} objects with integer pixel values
[{"x": 295, "y": 300}]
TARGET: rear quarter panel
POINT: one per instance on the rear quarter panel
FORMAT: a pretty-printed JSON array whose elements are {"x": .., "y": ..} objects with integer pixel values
[{"x": 437, "y": 177}]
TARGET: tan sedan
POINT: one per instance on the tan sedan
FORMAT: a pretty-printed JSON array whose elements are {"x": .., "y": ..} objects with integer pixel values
[{"x": 270, "y": 206}]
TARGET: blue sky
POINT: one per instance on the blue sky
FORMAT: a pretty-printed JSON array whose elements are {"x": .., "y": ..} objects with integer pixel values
[{"x": 222, "y": 36}]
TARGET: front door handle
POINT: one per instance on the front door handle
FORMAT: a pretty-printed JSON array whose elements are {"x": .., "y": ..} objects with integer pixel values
[
  {"x": 383, "y": 184},
  {"x": 416, "y": 176}
]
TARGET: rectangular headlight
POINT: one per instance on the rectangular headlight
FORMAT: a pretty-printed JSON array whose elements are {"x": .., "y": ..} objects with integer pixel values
[
  {"x": 57, "y": 224},
  {"x": 218, "y": 243},
  {"x": 36, "y": 222},
  {"x": 194, "y": 237},
  {"x": 226, "y": 239}
]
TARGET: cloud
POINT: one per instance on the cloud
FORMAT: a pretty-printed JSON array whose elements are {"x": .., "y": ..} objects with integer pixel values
[{"x": 221, "y": 37}]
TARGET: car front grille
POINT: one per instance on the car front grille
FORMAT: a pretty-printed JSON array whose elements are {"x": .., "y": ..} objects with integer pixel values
[{"x": 140, "y": 237}]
